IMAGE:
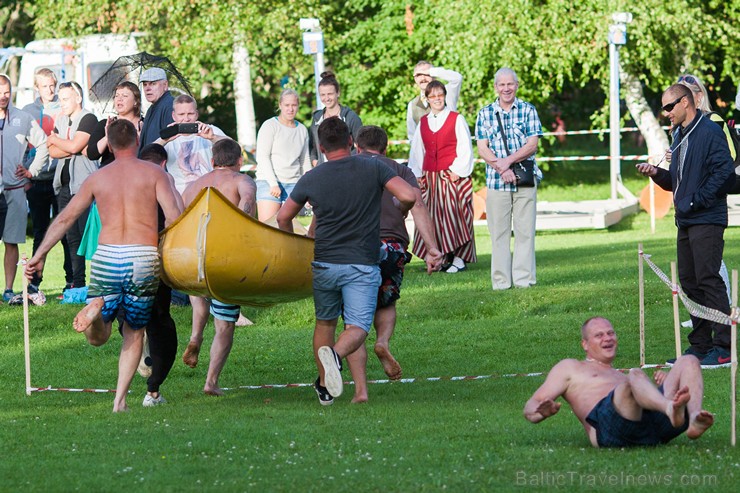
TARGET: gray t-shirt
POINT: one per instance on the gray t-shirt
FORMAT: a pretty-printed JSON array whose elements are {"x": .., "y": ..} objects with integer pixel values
[{"x": 345, "y": 195}]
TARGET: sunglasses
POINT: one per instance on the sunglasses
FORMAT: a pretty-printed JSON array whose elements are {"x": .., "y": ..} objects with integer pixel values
[
  {"x": 689, "y": 79},
  {"x": 669, "y": 107}
]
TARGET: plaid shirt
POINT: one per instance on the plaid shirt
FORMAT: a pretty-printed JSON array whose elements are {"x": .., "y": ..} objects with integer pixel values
[{"x": 521, "y": 122}]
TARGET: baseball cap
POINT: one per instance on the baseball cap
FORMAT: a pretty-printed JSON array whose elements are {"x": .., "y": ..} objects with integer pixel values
[{"x": 153, "y": 74}]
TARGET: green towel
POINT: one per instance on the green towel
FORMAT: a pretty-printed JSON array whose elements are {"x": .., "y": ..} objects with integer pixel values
[{"x": 89, "y": 242}]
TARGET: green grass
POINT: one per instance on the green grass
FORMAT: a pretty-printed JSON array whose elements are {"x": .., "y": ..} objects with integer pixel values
[{"x": 422, "y": 436}]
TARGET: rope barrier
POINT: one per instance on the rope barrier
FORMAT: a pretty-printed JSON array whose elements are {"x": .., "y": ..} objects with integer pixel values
[{"x": 694, "y": 308}]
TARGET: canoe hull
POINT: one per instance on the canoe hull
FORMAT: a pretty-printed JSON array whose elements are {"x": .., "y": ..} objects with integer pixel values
[{"x": 217, "y": 251}]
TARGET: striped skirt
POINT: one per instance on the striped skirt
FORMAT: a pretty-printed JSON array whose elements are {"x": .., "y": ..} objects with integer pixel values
[{"x": 450, "y": 206}]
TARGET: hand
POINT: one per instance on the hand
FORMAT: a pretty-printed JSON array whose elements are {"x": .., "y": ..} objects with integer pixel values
[
  {"x": 452, "y": 176},
  {"x": 32, "y": 266},
  {"x": 659, "y": 377},
  {"x": 668, "y": 154},
  {"x": 647, "y": 169},
  {"x": 508, "y": 176},
  {"x": 53, "y": 138},
  {"x": 21, "y": 172},
  {"x": 206, "y": 131},
  {"x": 275, "y": 191},
  {"x": 434, "y": 260},
  {"x": 548, "y": 408},
  {"x": 110, "y": 120}
]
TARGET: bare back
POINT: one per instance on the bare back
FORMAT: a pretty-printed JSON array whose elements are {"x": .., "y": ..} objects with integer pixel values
[
  {"x": 238, "y": 188},
  {"x": 127, "y": 192}
]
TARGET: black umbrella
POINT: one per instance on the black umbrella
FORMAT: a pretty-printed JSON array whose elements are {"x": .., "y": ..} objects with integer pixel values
[{"x": 130, "y": 68}]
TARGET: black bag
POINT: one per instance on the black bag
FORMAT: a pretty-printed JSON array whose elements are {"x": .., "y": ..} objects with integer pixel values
[{"x": 523, "y": 170}]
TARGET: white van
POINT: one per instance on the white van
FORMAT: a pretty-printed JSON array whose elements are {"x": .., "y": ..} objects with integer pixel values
[{"x": 82, "y": 60}]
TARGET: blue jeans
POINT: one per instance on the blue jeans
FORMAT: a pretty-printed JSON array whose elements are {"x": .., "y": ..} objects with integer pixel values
[
  {"x": 263, "y": 191},
  {"x": 347, "y": 289}
]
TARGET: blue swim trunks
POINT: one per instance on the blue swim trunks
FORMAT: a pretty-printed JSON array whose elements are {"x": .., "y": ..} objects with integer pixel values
[
  {"x": 128, "y": 276},
  {"x": 224, "y": 311},
  {"x": 613, "y": 430}
]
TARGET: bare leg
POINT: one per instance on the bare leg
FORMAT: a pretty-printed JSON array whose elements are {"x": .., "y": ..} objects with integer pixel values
[
  {"x": 649, "y": 397},
  {"x": 385, "y": 323},
  {"x": 220, "y": 349},
  {"x": 323, "y": 335},
  {"x": 11, "y": 264},
  {"x": 90, "y": 322},
  {"x": 351, "y": 338},
  {"x": 266, "y": 209},
  {"x": 686, "y": 372},
  {"x": 127, "y": 363},
  {"x": 358, "y": 366},
  {"x": 200, "y": 319}
]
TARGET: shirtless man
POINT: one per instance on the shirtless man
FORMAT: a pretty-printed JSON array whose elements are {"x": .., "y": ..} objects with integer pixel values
[
  {"x": 241, "y": 191},
  {"x": 127, "y": 250},
  {"x": 619, "y": 410}
]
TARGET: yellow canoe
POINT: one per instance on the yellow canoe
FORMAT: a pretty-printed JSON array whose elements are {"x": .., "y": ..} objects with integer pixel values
[{"x": 216, "y": 250}]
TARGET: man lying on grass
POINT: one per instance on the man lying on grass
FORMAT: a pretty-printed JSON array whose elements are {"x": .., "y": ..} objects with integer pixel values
[{"x": 619, "y": 410}]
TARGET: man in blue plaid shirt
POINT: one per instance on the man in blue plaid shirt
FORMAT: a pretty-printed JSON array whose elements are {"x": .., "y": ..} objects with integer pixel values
[{"x": 504, "y": 199}]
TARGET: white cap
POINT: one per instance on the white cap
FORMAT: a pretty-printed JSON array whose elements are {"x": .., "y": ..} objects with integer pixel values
[{"x": 153, "y": 74}]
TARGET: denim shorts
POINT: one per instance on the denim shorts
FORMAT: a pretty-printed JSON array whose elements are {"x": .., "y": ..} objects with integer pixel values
[
  {"x": 263, "y": 191},
  {"x": 350, "y": 290}
]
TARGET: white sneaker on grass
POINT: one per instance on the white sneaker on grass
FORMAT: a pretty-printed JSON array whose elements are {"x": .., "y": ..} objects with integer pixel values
[
  {"x": 332, "y": 370},
  {"x": 150, "y": 401}
]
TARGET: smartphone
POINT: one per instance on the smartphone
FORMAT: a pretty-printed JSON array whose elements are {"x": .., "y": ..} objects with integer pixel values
[{"x": 179, "y": 128}]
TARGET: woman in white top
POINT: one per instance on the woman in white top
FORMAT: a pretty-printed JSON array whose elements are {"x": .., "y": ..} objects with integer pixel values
[
  {"x": 282, "y": 156},
  {"x": 441, "y": 158}
]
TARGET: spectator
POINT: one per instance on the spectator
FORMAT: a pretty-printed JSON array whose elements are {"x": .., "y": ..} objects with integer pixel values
[
  {"x": 424, "y": 73},
  {"x": 159, "y": 114},
  {"x": 282, "y": 156},
  {"x": 127, "y": 103},
  {"x": 507, "y": 203},
  {"x": 67, "y": 144},
  {"x": 329, "y": 95},
  {"x": 42, "y": 201},
  {"x": 17, "y": 130},
  {"x": 441, "y": 157}
]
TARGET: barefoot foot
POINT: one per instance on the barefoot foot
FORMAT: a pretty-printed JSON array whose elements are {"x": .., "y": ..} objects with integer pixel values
[
  {"x": 190, "y": 356},
  {"x": 359, "y": 399},
  {"x": 699, "y": 424},
  {"x": 390, "y": 365},
  {"x": 85, "y": 318},
  {"x": 676, "y": 409},
  {"x": 243, "y": 321},
  {"x": 214, "y": 391}
]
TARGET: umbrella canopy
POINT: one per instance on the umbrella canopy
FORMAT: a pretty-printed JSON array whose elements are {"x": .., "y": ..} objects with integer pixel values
[{"x": 129, "y": 68}]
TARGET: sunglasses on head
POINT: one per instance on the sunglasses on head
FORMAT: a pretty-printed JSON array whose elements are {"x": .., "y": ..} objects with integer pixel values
[
  {"x": 669, "y": 107},
  {"x": 689, "y": 79}
]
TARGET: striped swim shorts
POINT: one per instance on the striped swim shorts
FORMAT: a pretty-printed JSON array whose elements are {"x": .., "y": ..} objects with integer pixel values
[{"x": 127, "y": 276}]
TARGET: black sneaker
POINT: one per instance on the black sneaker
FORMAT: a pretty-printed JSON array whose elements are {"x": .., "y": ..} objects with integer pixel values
[
  {"x": 325, "y": 398},
  {"x": 692, "y": 351},
  {"x": 717, "y": 358},
  {"x": 332, "y": 370}
]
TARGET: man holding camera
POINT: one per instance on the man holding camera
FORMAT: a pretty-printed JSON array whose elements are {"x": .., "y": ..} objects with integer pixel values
[{"x": 508, "y": 131}]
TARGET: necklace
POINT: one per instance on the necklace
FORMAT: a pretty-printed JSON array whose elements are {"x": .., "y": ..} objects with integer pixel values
[{"x": 591, "y": 360}]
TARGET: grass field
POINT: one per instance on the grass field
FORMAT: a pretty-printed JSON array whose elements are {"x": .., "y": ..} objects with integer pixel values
[{"x": 423, "y": 436}]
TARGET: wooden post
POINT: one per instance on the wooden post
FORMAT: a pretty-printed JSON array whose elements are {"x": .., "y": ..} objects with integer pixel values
[
  {"x": 642, "y": 304},
  {"x": 733, "y": 359},
  {"x": 676, "y": 319},
  {"x": 26, "y": 336}
]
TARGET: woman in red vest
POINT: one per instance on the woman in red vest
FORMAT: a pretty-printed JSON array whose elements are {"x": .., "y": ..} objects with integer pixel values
[{"x": 441, "y": 157}]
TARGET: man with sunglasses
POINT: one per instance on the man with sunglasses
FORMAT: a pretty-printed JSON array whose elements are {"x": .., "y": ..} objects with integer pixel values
[
  {"x": 424, "y": 73},
  {"x": 700, "y": 175}
]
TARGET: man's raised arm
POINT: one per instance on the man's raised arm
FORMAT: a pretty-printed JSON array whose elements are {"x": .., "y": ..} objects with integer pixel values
[{"x": 542, "y": 404}]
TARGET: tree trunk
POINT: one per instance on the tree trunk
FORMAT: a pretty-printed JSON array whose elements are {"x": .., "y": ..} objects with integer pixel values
[
  {"x": 655, "y": 137},
  {"x": 246, "y": 124}
]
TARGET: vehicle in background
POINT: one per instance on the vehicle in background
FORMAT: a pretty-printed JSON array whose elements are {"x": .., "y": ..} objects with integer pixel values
[{"x": 82, "y": 60}]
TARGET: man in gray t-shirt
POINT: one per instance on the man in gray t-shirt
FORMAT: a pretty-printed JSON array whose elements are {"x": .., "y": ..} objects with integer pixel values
[{"x": 345, "y": 194}]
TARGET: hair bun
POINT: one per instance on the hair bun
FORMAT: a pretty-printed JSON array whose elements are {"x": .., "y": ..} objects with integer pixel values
[{"x": 328, "y": 75}]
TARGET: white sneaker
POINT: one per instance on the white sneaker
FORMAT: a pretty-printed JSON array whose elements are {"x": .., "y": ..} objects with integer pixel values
[
  {"x": 144, "y": 369},
  {"x": 150, "y": 401},
  {"x": 332, "y": 368}
]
